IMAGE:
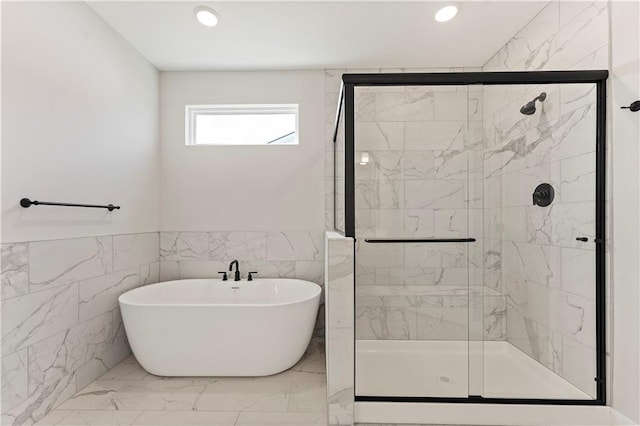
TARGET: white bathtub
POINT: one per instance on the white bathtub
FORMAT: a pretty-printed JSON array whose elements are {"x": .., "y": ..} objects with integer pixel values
[{"x": 209, "y": 327}]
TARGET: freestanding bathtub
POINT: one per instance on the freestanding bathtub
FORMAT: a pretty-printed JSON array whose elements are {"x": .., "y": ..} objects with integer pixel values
[{"x": 210, "y": 327}]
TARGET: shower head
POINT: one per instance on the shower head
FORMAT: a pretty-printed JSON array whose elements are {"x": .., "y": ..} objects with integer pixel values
[{"x": 530, "y": 107}]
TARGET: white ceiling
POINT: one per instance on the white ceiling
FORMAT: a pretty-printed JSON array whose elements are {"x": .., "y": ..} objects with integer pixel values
[{"x": 315, "y": 35}]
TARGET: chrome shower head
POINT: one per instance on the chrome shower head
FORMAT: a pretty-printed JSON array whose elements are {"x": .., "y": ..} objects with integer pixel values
[{"x": 530, "y": 107}]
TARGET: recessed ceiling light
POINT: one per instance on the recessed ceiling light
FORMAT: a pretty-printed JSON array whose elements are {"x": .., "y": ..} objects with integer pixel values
[
  {"x": 446, "y": 13},
  {"x": 206, "y": 16}
]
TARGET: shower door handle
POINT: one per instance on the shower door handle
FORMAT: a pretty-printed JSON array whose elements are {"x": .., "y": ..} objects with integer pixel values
[{"x": 419, "y": 240}]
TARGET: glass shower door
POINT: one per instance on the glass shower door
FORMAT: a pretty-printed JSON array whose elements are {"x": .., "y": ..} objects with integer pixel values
[
  {"x": 413, "y": 198},
  {"x": 540, "y": 207}
]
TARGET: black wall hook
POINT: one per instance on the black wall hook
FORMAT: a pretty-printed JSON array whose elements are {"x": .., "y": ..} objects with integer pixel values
[{"x": 634, "y": 107}]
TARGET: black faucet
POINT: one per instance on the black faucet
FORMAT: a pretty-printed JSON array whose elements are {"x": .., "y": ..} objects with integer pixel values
[{"x": 237, "y": 274}]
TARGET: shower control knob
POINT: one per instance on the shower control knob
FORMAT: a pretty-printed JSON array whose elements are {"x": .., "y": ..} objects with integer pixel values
[
  {"x": 583, "y": 239},
  {"x": 543, "y": 195}
]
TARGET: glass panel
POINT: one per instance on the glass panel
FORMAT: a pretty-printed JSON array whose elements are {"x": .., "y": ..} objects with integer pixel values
[
  {"x": 539, "y": 274},
  {"x": 247, "y": 129},
  {"x": 242, "y": 124},
  {"x": 339, "y": 176},
  {"x": 479, "y": 303},
  {"x": 412, "y": 156},
  {"x": 512, "y": 314}
]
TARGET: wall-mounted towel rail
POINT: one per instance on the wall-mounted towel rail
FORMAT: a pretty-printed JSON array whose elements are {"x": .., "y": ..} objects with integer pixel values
[
  {"x": 419, "y": 240},
  {"x": 25, "y": 202}
]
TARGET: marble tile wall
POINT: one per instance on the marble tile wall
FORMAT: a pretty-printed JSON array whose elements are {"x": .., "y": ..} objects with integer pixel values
[
  {"x": 429, "y": 313},
  {"x": 340, "y": 341},
  {"x": 61, "y": 325},
  {"x": 289, "y": 254},
  {"x": 564, "y": 35},
  {"x": 531, "y": 253}
]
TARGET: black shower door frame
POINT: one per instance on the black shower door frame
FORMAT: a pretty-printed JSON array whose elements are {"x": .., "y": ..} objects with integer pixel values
[{"x": 597, "y": 77}]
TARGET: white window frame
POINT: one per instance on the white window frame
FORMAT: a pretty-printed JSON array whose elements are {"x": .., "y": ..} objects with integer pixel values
[{"x": 193, "y": 111}]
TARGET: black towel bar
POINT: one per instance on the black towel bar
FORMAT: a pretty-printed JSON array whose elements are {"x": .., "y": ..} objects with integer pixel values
[{"x": 25, "y": 202}]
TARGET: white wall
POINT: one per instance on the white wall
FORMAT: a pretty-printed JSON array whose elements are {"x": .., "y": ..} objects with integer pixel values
[
  {"x": 80, "y": 111},
  {"x": 80, "y": 124},
  {"x": 625, "y": 141},
  {"x": 243, "y": 188}
]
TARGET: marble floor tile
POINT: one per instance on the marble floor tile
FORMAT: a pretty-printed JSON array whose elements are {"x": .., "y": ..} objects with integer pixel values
[
  {"x": 90, "y": 418},
  {"x": 158, "y": 395},
  {"x": 128, "y": 369},
  {"x": 188, "y": 418},
  {"x": 310, "y": 369},
  {"x": 281, "y": 419},
  {"x": 235, "y": 395},
  {"x": 128, "y": 395},
  {"x": 308, "y": 398},
  {"x": 313, "y": 359},
  {"x": 297, "y": 374}
]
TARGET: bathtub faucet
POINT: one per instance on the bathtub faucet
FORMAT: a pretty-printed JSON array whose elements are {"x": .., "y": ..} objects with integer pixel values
[{"x": 237, "y": 274}]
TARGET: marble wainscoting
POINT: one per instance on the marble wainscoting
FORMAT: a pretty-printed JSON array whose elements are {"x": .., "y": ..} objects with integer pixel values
[
  {"x": 340, "y": 341},
  {"x": 61, "y": 325},
  {"x": 285, "y": 254}
]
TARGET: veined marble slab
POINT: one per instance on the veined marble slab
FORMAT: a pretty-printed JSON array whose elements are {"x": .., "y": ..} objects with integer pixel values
[
  {"x": 295, "y": 246},
  {"x": 14, "y": 379},
  {"x": 55, "y": 357},
  {"x": 339, "y": 275},
  {"x": 436, "y": 290},
  {"x": 60, "y": 262},
  {"x": 135, "y": 250},
  {"x": 33, "y": 317},
  {"x": 15, "y": 272}
]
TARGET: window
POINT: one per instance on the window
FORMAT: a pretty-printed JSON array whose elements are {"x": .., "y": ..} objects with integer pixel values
[{"x": 242, "y": 124}]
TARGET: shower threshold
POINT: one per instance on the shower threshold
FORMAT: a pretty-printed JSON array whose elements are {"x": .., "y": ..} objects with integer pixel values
[
  {"x": 487, "y": 414},
  {"x": 419, "y": 368}
]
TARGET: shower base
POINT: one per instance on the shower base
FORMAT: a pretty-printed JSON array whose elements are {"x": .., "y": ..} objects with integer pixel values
[{"x": 441, "y": 369}]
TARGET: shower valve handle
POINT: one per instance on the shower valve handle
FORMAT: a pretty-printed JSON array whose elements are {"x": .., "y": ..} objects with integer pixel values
[
  {"x": 583, "y": 239},
  {"x": 543, "y": 195}
]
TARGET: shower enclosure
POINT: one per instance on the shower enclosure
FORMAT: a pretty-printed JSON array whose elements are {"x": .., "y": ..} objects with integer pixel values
[{"x": 476, "y": 201}]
